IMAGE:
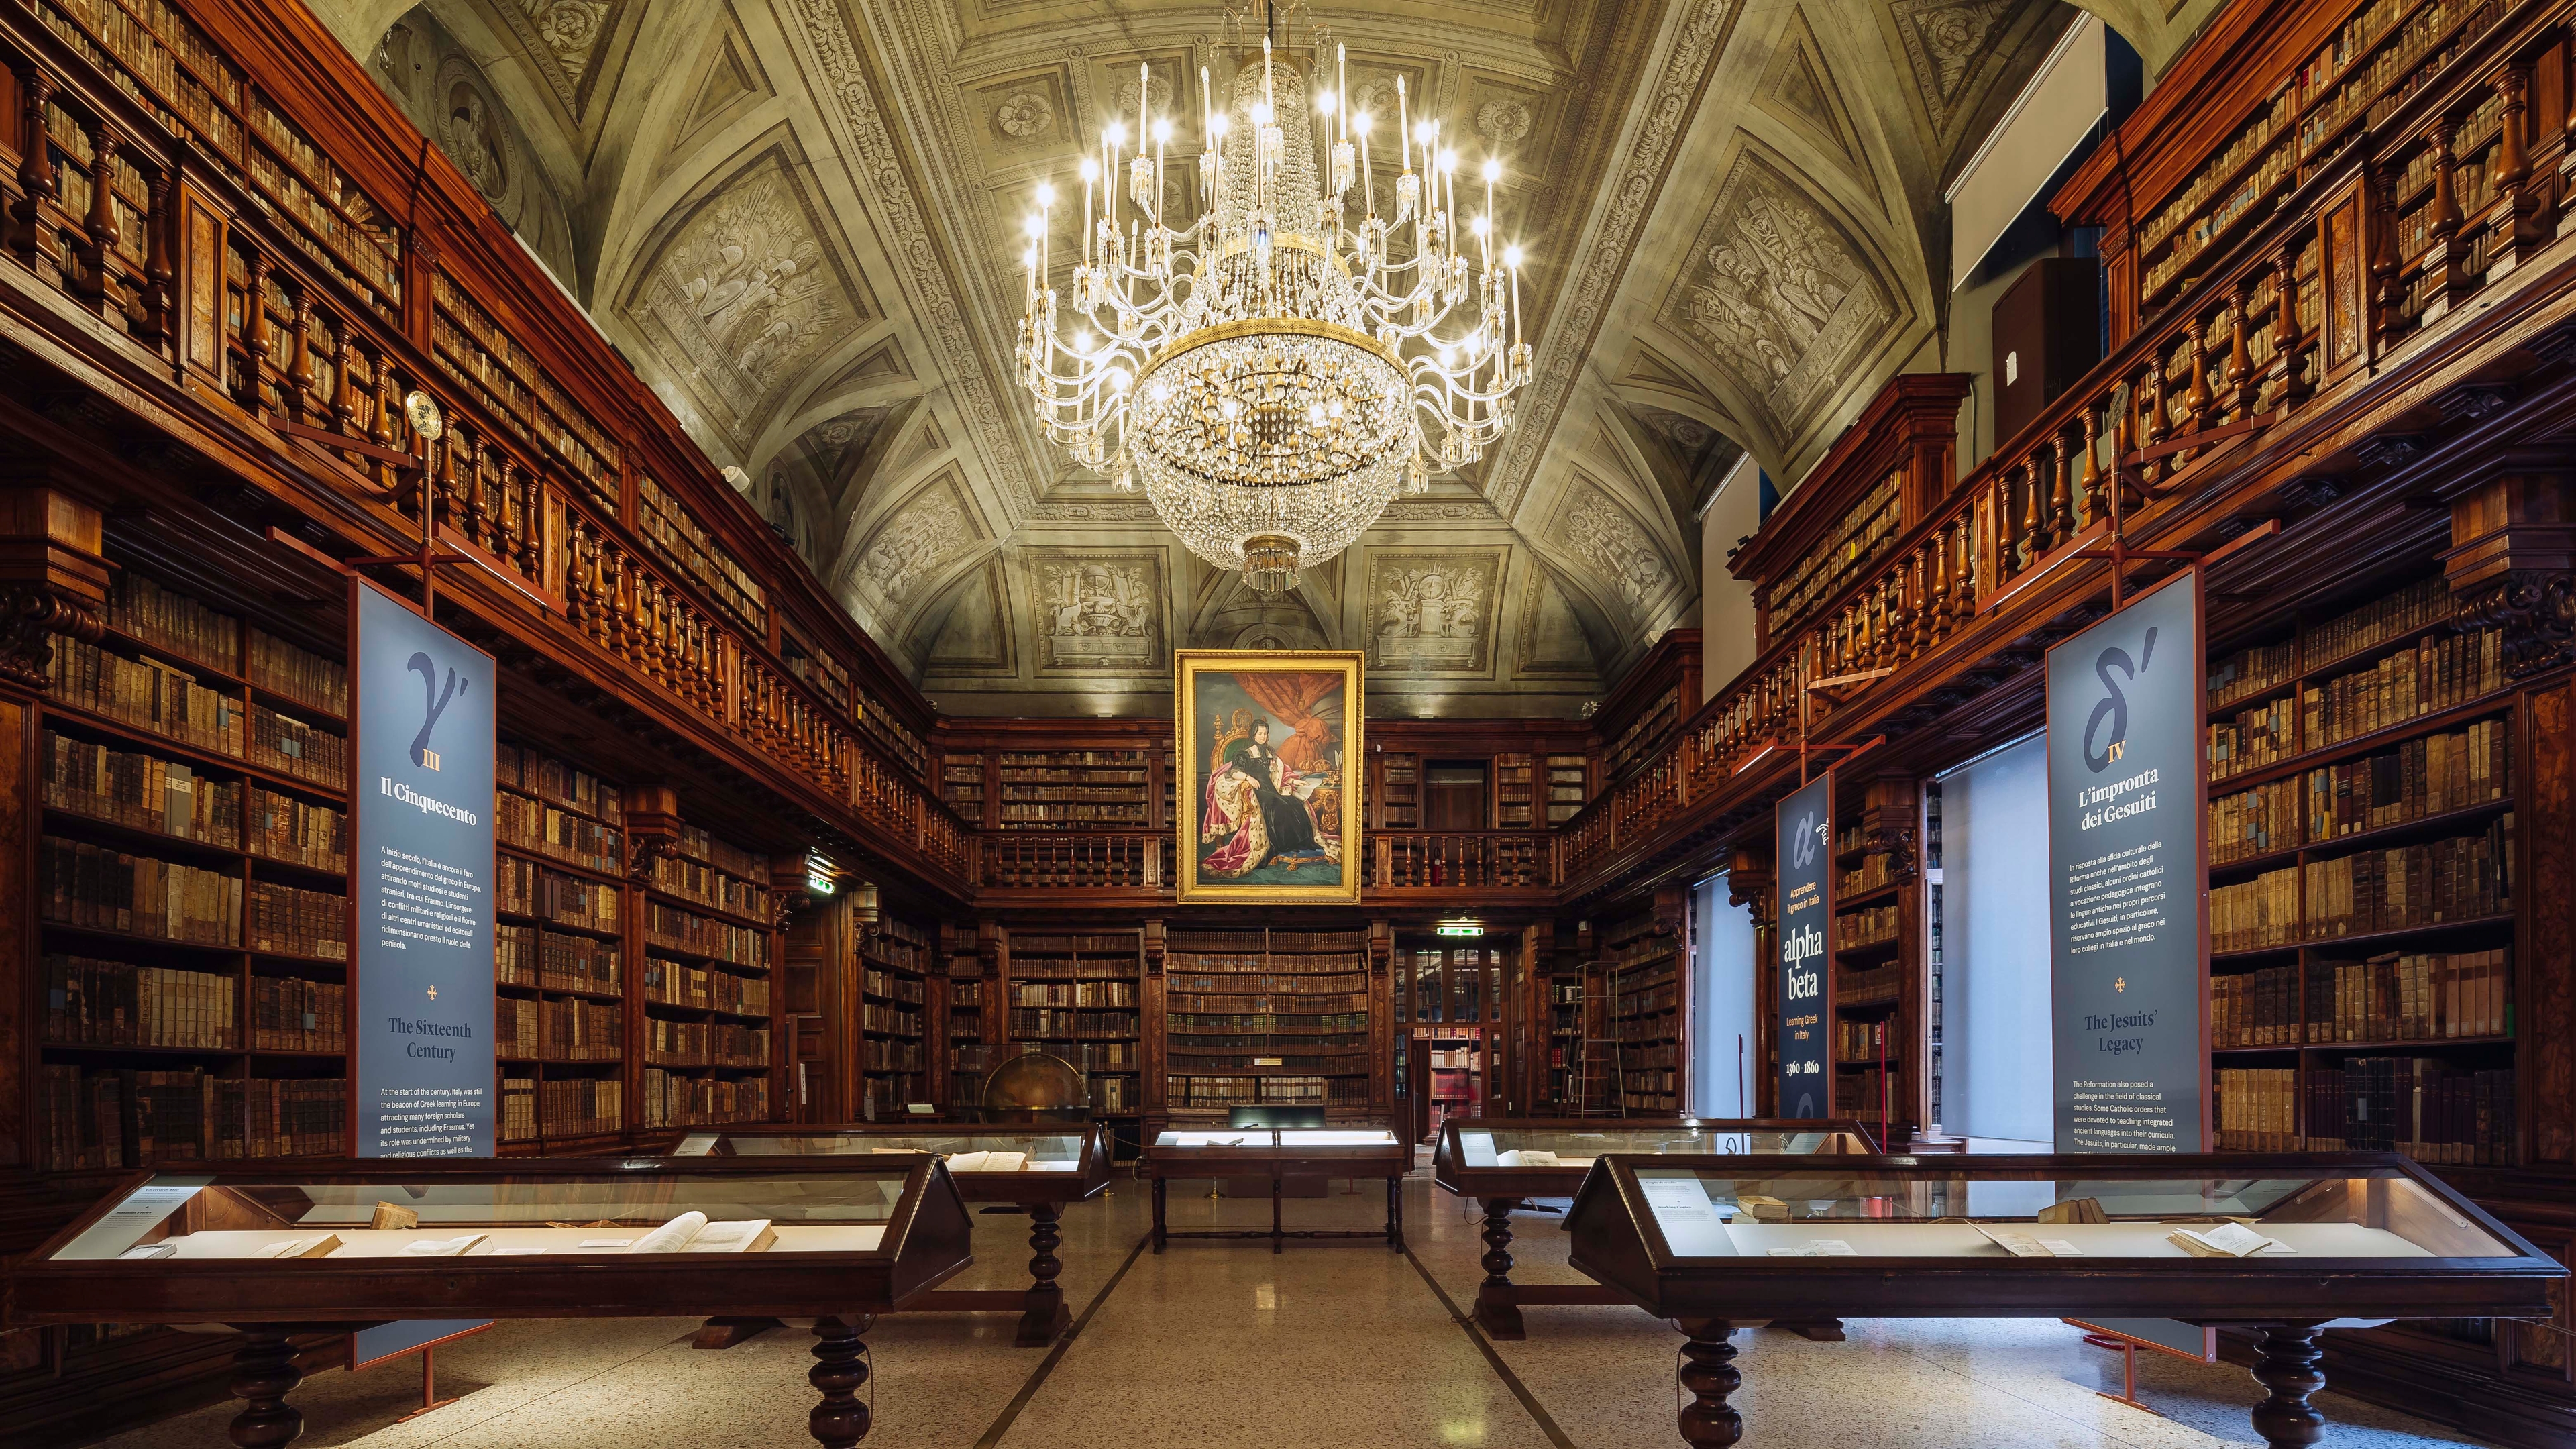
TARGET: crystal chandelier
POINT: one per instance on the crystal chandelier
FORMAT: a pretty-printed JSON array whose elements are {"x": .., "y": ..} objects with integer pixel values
[{"x": 1278, "y": 367}]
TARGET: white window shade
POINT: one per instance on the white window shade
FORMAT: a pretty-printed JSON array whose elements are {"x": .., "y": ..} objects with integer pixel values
[{"x": 2048, "y": 120}]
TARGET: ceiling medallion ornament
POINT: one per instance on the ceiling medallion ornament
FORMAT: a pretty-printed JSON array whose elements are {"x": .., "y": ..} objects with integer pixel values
[{"x": 1277, "y": 368}]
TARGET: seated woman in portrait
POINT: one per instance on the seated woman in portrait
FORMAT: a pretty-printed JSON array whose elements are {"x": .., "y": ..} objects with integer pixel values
[{"x": 1253, "y": 809}]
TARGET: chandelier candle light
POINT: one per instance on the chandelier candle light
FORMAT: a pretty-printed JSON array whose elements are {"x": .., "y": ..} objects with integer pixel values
[{"x": 1274, "y": 371}]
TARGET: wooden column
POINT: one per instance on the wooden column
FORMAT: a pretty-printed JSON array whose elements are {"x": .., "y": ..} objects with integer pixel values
[{"x": 2512, "y": 565}]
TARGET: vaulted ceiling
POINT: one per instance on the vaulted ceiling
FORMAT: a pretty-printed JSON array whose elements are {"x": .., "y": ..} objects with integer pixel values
[{"x": 799, "y": 221}]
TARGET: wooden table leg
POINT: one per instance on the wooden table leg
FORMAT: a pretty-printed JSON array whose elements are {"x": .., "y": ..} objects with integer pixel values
[
  {"x": 1709, "y": 1372},
  {"x": 1158, "y": 1213},
  {"x": 1395, "y": 1215},
  {"x": 2287, "y": 1365},
  {"x": 840, "y": 1370},
  {"x": 1278, "y": 1239},
  {"x": 1046, "y": 1316},
  {"x": 264, "y": 1373},
  {"x": 1495, "y": 1311}
]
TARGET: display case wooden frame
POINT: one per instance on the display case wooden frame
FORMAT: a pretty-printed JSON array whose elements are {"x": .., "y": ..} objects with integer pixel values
[
  {"x": 1042, "y": 1195},
  {"x": 1278, "y": 1154},
  {"x": 1619, "y": 1239},
  {"x": 1499, "y": 1300},
  {"x": 927, "y": 1239}
]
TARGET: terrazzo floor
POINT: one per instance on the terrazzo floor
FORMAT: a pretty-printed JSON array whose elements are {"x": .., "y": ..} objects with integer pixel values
[{"x": 1336, "y": 1344}]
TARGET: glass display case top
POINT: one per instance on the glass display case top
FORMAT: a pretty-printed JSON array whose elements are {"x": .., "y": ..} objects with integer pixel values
[
  {"x": 1285, "y": 1138},
  {"x": 2278, "y": 1216},
  {"x": 965, "y": 1150},
  {"x": 212, "y": 1215},
  {"x": 1568, "y": 1146}
]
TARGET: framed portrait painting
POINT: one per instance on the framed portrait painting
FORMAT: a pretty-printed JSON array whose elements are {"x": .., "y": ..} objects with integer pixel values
[{"x": 1268, "y": 795}]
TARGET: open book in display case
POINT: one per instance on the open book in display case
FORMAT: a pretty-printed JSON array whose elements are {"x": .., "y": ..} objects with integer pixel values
[
  {"x": 1039, "y": 1169},
  {"x": 1504, "y": 1162},
  {"x": 2287, "y": 1244},
  {"x": 275, "y": 1253}
]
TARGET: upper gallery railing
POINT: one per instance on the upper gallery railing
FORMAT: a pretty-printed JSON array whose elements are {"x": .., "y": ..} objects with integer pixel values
[
  {"x": 149, "y": 177},
  {"x": 2392, "y": 175}
]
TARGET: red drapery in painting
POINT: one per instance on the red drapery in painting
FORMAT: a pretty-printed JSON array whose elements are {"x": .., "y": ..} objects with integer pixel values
[{"x": 1291, "y": 700}]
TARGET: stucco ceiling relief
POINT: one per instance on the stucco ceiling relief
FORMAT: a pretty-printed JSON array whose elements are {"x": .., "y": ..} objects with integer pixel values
[
  {"x": 1098, "y": 610},
  {"x": 1432, "y": 612}
]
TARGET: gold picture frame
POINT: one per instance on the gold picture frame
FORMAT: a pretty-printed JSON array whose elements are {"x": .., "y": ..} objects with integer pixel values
[{"x": 1269, "y": 753}]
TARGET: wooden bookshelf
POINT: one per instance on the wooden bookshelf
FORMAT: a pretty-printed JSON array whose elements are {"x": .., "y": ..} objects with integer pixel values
[
  {"x": 1565, "y": 1037},
  {"x": 1080, "y": 997},
  {"x": 1072, "y": 790},
  {"x": 2363, "y": 881},
  {"x": 1871, "y": 963},
  {"x": 1399, "y": 790},
  {"x": 961, "y": 784},
  {"x": 1266, "y": 1016},
  {"x": 896, "y": 966},
  {"x": 1568, "y": 787},
  {"x": 188, "y": 755},
  {"x": 1635, "y": 1028},
  {"x": 969, "y": 1031},
  {"x": 562, "y": 1020}
]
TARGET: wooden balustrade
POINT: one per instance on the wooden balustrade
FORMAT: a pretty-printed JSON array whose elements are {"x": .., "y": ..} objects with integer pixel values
[
  {"x": 1464, "y": 860},
  {"x": 1077, "y": 860},
  {"x": 145, "y": 178}
]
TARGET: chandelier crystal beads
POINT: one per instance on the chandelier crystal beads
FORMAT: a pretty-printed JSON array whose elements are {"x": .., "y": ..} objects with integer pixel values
[{"x": 1277, "y": 369}]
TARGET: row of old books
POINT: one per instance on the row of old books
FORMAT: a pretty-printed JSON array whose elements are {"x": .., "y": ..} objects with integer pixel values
[
  {"x": 895, "y": 1056},
  {"x": 1866, "y": 1092},
  {"x": 1867, "y": 927},
  {"x": 297, "y": 831},
  {"x": 698, "y": 845},
  {"x": 1270, "y": 981},
  {"x": 704, "y": 1044},
  {"x": 2463, "y": 877},
  {"x": 2249, "y": 672},
  {"x": 559, "y": 1031},
  {"x": 531, "y": 824},
  {"x": 2390, "y": 997},
  {"x": 281, "y": 668},
  {"x": 1049, "y": 1021},
  {"x": 143, "y": 609},
  {"x": 292, "y": 747},
  {"x": 94, "y": 1118},
  {"x": 289, "y": 921},
  {"x": 524, "y": 888},
  {"x": 2434, "y": 675},
  {"x": 1258, "y": 1021},
  {"x": 671, "y": 1100},
  {"x": 2428, "y": 1109},
  {"x": 538, "y": 773},
  {"x": 687, "y": 931},
  {"x": 710, "y": 886},
  {"x": 1073, "y": 993},
  {"x": 890, "y": 1020},
  {"x": 145, "y": 694},
  {"x": 112, "y": 1003},
  {"x": 2451, "y": 770},
  {"x": 1105, "y": 1056},
  {"x": 676, "y": 983},
  {"x": 1867, "y": 1041},
  {"x": 1211, "y": 1091},
  {"x": 565, "y": 1107},
  {"x": 1204, "y": 1000},
  {"x": 528, "y": 956},
  {"x": 139, "y": 791},
  {"x": 894, "y": 986},
  {"x": 107, "y": 890},
  {"x": 2255, "y": 738},
  {"x": 1121, "y": 945},
  {"x": 289, "y": 1015}
]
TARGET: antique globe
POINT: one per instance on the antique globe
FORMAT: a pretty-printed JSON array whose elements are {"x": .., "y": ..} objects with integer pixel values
[{"x": 1036, "y": 1086}]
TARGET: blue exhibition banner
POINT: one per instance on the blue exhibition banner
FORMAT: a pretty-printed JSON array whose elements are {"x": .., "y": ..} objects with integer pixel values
[
  {"x": 422, "y": 885},
  {"x": 1805, "y": 855},
  {"x": 2128, "y": 905}
]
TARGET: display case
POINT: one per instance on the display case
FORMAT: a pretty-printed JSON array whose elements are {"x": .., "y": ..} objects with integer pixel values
[
  {"x": 275, "y": 1253},
  {"x": 1501, "y": 1162},
  {"x": 1040, "y": 1170},
  {"x": 2288, "y": 1243},
  {"x": 1277, "y": 1154}
]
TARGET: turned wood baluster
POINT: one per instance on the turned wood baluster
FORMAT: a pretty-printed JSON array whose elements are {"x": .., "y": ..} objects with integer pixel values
[
  {"x": 1708, "y": 1421},
  {"x": 99, "y": 228},
  {"x": 380, "y": 423},
  {"x": 2061, "y": 501},
  {"x": 1927, "y": 605},
  {"x": 156, "y": 307},
  {"x": 2442, "y": 222},
  {"x": 576, "y": 594},
  {"x": 2286, "y": 329},
  {"x": 2034, "y": 518},
  {"x": 513, "y": 530},
  {"x": 1941, "y": 585},
  {"x": 478, "y": 518},
  {"x": 2388, "y": 297},
  {"x": 1999, "y": 522},
  {"x": 2094, "y": 508},
  {"x": 1967, "y": 577},
  {"x": 532, "y": 524},
  {"x": 1891, "y": 621},
  {"x": 301, "y": 374},
  {"x": 2198, "y": 399},
  {"x": 2241, "y": 386},
  {"x": 621, "y": 605},
  {"x": 259, "y": 338},
  {"x": 30, "y": 234},
  {"x": 344, "y": 402}
]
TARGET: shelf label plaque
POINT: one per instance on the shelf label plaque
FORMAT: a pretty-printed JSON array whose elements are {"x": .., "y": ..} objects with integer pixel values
[
  {"x": 2127, "y": 880},
  {"x": 1804, "y": 846},
  {"x": 421, "y": 885}
]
